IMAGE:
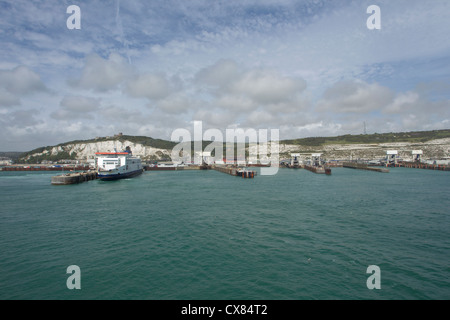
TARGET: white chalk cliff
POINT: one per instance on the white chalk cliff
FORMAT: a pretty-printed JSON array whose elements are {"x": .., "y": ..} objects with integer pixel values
[
  {"x": 86, "y": 151},
  {"x": 438, "y": 148}
]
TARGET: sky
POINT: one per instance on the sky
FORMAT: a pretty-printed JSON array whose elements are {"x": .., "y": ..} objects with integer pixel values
[{"x": 305, "y": 67}]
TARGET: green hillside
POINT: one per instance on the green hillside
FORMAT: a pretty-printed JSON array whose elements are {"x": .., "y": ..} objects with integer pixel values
[
  {"x": 418, "y": 136},
  {"x": 376, "y": 138}
]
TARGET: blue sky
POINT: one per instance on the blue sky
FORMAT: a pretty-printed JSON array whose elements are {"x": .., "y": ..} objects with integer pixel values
[{"x": 306, "y": 67}]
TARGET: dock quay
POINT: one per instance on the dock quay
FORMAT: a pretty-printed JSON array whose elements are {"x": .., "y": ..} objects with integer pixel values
[
  {"x": 74, "y": 178},
  {"x": 421, "y": 165},
  {"x": 176, "y": 168},
  {"x": 204, "y": 167},
  {"x": 363, "y": 166},
  {"x": 235, "y": 171},
  {"x": 148, "y": 168},
  {"x": 318, "y": 169},
  {"x": 228, "y": 170}
]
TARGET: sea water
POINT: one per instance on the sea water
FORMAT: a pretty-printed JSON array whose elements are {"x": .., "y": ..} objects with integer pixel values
[{"x": 207, "y": 235}]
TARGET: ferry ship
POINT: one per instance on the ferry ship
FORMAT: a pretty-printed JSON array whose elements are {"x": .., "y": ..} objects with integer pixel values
[{"x": 118, "y": 165}]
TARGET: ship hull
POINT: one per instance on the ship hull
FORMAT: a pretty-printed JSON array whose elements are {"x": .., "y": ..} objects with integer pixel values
[{"x": 117, "y": 176}]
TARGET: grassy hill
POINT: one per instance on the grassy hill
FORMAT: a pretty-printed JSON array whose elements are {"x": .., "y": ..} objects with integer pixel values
[
  {"x": 417, "y": 136},
  {"x": 146, "y": 141},
  {"x": 376, "y": 138}
]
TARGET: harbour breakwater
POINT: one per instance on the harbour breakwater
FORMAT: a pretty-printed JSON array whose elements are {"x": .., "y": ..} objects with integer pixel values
[
  {"x": 419, "y": 165},
  {"x": 235, "y": 171},
  {"x": 318, "y": 169},
  {"x": 176, "y": 168},
  {"x": 74, "y": 178},
  {"x": 363, "y": 166}
]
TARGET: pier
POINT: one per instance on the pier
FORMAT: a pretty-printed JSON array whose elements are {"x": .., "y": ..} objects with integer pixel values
[
  {"x": 421, "y": 165},
  {"x": 363, "y": 166},
  {"x": 228, "y": 170},
  {"x": 234, "y": 171},
  {"x": 318, "y": 169},
  {"x": 74, "y": 178},
  {"x": 176, "y": 168}
]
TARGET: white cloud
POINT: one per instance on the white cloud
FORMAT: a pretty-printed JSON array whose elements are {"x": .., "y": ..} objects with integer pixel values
[
  {"x": 74, "y": 107},
  {"x": 214, "y": 118},
  {"x": 18, "y": 82},
  {"x": 80, "y": 104},
  {"x": 266, "y": 87},
  {"x": 232, "y": 88},
  {"x": 128, "y": 116},
  {"x": 259, "y": 117},
  {"x": 220, "y": 74},
  {"x": 176, "y": 104},
  {"x": 402, "y": 102},
  {"x": 353, "y": 96},
  {"x": 308, "y": 67},
  {"x": 8, "y": 99},
  {"x": 236, "y": 103},
  {"x": 104, "y": 74},
  {"x": 151, "y": 86}
]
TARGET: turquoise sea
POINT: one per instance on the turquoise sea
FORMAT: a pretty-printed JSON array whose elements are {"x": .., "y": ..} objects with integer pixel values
[{"x": 207, "y": 235}]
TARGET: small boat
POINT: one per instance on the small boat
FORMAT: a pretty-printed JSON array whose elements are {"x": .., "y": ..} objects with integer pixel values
[{"x": 118, "y": 165}]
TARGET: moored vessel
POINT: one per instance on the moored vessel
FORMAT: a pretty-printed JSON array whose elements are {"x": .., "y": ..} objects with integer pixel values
[{"x": 118, "y": 165}]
